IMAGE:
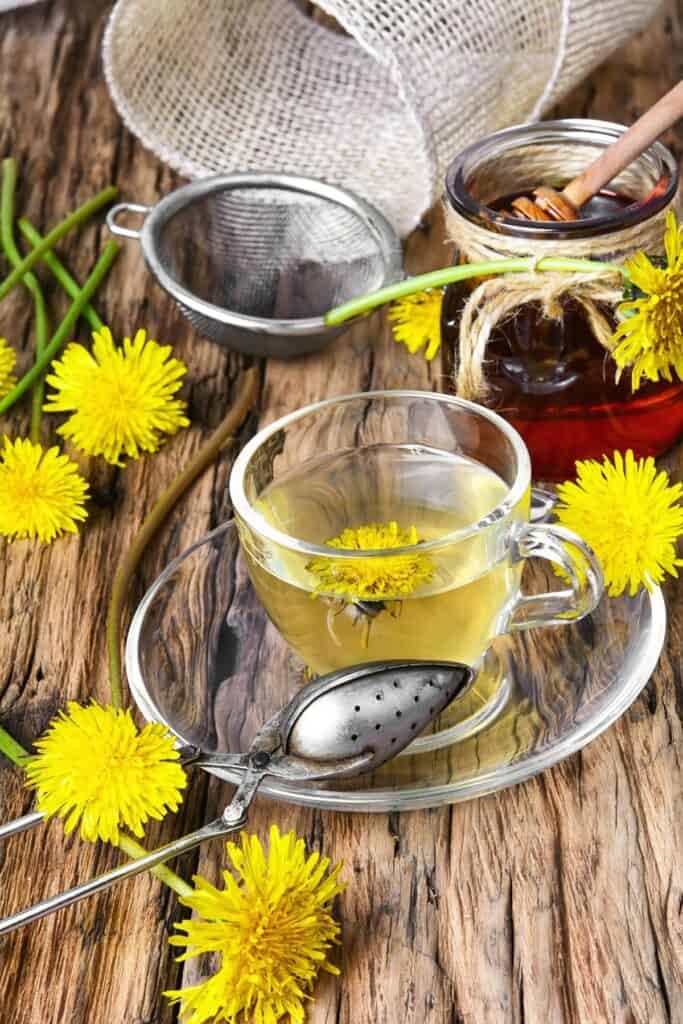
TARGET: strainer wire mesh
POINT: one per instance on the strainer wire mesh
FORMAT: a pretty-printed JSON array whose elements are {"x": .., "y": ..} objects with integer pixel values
[{"x": 270, "y": 251}]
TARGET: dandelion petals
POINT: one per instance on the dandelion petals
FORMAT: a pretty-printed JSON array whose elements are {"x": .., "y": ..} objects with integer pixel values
[
  {"x": 416, "y": 321},
  {"x": 376, "y": 578},
  {"x": 42, "y": 494},
  {"x": 8, "y": 361},
  {"x": 630, "y": 515},
  {"x": 119, "y": 399},
  {"x": 95, "y": 768},
  {"x": 272, "y": 928}
]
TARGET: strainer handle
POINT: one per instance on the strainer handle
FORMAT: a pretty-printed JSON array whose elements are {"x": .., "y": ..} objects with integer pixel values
[{"x": 120, "y": 229}]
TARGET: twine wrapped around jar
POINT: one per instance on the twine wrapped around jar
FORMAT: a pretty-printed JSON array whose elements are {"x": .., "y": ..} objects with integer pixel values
[{"x": 497, "y": 299}]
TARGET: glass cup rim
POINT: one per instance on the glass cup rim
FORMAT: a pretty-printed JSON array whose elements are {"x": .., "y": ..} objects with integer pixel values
[{"x": 244, "y": 509}]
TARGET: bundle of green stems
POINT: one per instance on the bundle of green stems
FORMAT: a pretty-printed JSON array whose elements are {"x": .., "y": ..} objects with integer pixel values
[{"x": 47, "y": 343}]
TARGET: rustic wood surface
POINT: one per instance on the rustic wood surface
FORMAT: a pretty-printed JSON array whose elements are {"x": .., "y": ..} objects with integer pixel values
[{"x": 559, "y": 900}]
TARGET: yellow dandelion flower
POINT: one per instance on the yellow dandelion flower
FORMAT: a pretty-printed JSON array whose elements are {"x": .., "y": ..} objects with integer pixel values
[
  {"x": 120, "y": 399},
  {"x": 8, "y": 361},
  {"x": 649, "y": 339},
  {"x": 93, "y": 766},
  {"x": 417, "y": 321},
  {"x": 41, "y": 492},
  {"x": 272, "y": 927},
  {"x": 629, "y": 514},
  {"x": 378, "y": 577}
]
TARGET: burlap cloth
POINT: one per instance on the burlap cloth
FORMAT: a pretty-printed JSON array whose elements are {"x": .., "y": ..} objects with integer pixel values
[{"x": 219, "y": 85}]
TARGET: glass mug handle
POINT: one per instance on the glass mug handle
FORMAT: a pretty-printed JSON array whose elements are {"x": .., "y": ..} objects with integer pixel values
[{"x": 568, "y": 551}]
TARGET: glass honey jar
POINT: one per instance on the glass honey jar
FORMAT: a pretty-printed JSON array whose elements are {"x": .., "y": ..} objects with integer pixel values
[{"x": 549, "y": 375}]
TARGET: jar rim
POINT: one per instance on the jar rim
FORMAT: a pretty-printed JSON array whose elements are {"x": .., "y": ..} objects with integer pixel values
[{"x": 579, "y": 130}]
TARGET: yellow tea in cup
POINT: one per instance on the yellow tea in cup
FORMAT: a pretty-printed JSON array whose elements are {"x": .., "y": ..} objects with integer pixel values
[
  {"x": 395, "y": 524},
  {"x": 346, "y": 609}
]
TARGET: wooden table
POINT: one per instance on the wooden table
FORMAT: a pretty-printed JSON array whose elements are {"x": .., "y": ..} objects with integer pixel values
[{"x": 559, "y": 900}]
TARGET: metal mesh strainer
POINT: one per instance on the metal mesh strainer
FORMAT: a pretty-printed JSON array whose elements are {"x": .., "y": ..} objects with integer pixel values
[{"x": 255, "y": 260}]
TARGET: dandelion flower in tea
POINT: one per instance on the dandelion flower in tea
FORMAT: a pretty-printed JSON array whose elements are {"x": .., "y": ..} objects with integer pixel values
[
  {"x": 366, "y": 583},
  {"x": 432, "y": 599},
  {"x": 365, "y": 579}
]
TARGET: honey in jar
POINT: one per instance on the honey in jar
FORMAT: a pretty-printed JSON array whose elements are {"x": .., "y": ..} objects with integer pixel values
[{"x": 552, "y": 379}]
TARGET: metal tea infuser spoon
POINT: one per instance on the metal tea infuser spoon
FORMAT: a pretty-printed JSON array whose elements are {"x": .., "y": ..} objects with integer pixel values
[{"x": 343, "y": 724}]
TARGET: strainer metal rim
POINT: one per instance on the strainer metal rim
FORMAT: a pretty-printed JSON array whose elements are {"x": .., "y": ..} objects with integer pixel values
[{"x": 387, "y": 240}]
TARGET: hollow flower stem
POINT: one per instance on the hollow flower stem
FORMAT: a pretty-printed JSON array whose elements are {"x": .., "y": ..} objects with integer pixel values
[
  {"x": 79, "y": 216},
  {"x": 59, "y": 272},
  {"x": 134, "y": 850},
  {"x": 12, "y": 750},
  {"x": 42, "y": 327},
  {"x": 460, "y": 272},
  {"x": 99, "y": 271}
]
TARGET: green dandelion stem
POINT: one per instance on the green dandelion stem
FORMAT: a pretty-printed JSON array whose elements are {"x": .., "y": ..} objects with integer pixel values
[
  {"x": 78, "y": 217},
  {"x": 12, "y": 750},
  {"x": 18, "y": 755},
  {"x": 97, "y": 275},
  {"x": 164, "y": 874},
  {"x": 460, "y": 272},
  {"x": 59, "y": 272},
  {"x": 246, "y": 396},
  {"x": 42, "y": 334},
  {"x": 42, "y": 326}
]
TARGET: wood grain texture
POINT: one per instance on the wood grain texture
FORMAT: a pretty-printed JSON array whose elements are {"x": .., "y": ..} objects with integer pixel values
[{"x": 559, "y": 900}]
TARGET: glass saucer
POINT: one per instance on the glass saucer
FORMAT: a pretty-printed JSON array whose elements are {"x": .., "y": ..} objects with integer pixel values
[{"x": 202, "y": 656}]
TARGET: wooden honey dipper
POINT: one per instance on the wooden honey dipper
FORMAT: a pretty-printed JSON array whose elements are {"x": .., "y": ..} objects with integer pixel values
[{"x": 548, "y": 204}]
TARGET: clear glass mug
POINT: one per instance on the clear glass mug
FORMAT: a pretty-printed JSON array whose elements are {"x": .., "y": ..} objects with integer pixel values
[{"x": 456, "y": 472}]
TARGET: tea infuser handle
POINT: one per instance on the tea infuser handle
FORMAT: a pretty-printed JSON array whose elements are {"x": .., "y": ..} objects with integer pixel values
[
  {"x": 232, "y": 820},
  {"x": 121, "y": 229},
  {"x": 579, "y": 566},
  {"x": 109, "y": 878},
  {"x": 23, "y": 824}
]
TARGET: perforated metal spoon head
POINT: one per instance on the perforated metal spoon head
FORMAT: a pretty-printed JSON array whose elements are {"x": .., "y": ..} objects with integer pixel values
[{"x": 374, "y": 710}]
